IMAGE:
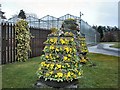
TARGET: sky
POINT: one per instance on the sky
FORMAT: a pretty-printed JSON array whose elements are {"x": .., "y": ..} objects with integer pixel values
[{"x": 96, "y": 12}]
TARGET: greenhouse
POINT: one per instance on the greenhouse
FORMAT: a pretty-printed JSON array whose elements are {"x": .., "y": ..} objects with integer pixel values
[{"x": 48, "y": 22}]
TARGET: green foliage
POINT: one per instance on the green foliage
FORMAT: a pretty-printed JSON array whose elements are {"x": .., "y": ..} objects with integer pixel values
[
  {"x": 53, "y": 30},
  {"x": 22, "y": 40},
  {"x": 70, "y": 24},
  {"x": 108, "y": 33},
  {"x": 22, "y": 15}
]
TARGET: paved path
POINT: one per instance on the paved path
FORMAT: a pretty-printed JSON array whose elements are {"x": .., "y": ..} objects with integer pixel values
[{"x": 104, "y": 49}]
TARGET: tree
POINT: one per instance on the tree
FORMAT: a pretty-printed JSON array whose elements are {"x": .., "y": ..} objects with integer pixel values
[
  {"x": 95, "y": 27},
  {"x": 22, "y": 15},
  {"x": 107, "y": 33},
  {"x": 100, "y": 30}
]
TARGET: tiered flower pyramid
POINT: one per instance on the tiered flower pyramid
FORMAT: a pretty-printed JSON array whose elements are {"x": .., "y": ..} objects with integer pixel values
[{"x": 62, "y": 56}]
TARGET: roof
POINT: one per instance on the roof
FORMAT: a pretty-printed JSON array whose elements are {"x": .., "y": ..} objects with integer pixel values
[{"x": 68, "y": 16}]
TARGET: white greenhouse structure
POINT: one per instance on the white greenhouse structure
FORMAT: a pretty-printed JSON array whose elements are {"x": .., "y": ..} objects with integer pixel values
[{"x": 47, "y": 22}]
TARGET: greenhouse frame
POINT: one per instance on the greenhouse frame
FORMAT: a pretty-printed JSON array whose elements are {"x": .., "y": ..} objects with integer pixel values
[{"x": 48, "y": 22}]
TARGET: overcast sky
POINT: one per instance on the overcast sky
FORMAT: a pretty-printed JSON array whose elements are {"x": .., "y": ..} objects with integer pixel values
[{"x": 96, "y": 12}]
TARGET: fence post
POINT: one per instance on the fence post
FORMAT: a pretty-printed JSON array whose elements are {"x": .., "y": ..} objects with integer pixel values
[
  {"x": 0, "y": 43},
  {"x": 11, "y": 42},
  {"x": 14, "y": 45},
  {"x": 3, "y": 35},
  {"x": 7, "y": 42}
]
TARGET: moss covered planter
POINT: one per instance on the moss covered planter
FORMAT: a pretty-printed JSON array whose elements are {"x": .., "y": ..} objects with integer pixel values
[{"x": 59, "y": 84}]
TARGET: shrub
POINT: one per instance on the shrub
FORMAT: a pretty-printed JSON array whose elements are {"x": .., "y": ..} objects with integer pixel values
[{"x": 22, "y": 40}]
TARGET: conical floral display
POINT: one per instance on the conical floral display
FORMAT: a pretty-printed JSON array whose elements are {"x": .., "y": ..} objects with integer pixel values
[{"x": 62, "y": 56}]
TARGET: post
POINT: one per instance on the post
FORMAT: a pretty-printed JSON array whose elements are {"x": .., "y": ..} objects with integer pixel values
[
  {"x": 95, "y": 39},
  {"x": 39, "y": 23},
  {"x": 57, "y": 23},
  {"x": 80, "y": 19},
  {"x": 3, "y": 48}
]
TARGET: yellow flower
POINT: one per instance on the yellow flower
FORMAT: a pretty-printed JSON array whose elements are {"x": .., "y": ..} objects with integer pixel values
[
  {"x": 72, "y": 73},
  {"x": 86, "y": 50},
  {"x": 66, "y": 33},
  {"x": 71, "y": 34},
  {"x": 45, "y": 47},
  {"x": 51, "y": 66},
  {"x": 55, "y": 40},
  {"x": 79, "y": 73},
  {"x": 56, "y": 76},
  {"x": 59, "y": 74},
  {"x": 42, "y": 63},
  {"x": 66, "y": 41},
  {"x": 83, "y": 60},
  {"x": 82, "y": 57},
  {"x": 39, "y": 68},
  {"x": 51, "y": 40},
  {"x": 61, "y": 49},
  {"x": 72, "y": 39},
  {"x": 57, "y": 56},
  {"x": 45, "y": 65},
  {"x": 67, "y": 64},
  {"x": 47, "y": 74},
  {"x": 70, "y": 50},
  {"x": 57, "y": 49},
  {"x": 74, "y": 76},
  {"x": 50, "y": 56},
  {"x": 66, "y": 48},
  {"x": 68, "y": 74},
  {"x": 51, "y": 72},
  {"x": 76, "y": 70},
  {"x": 82, "y": 44},
  {"x": 68, "y": 59},
  {"x": 69, "y": 55},
  {"x": 52, "y": 47},
  {"x": 62, "y": 41},
  {"x": 47, "y": 56},
  {"x": 65, "y": 58},
  {"x": 48, "y": 65},
  {"x": 62, "y": 66},
  {"x": 58, "y": 66},
  {"x": 76, "y": 65}
]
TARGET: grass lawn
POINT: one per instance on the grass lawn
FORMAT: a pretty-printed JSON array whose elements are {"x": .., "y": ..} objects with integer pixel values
[{"x": 104, "y": 75}]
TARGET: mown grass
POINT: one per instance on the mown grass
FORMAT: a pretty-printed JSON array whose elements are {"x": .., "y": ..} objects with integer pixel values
[
  {"x": 103, "y": 75},
  {"x": 21, "y": 74}
]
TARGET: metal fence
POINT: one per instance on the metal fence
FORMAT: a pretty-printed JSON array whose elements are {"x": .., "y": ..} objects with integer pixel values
[{"x": 7, "y": 42}]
